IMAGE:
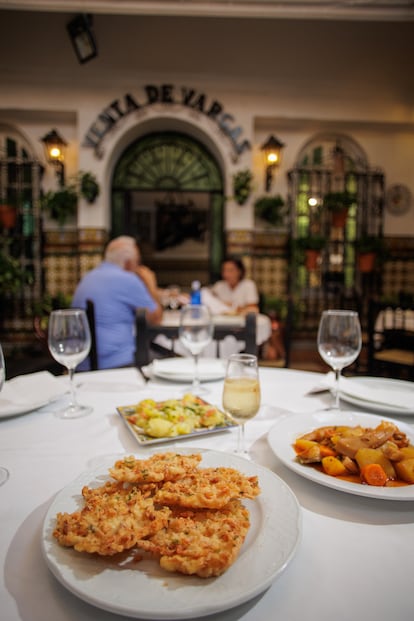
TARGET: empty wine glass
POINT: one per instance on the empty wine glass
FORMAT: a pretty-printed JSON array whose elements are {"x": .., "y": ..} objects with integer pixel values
[
  {"x": 195, "y": 333},
  {"x": 69, "y": 341},
  {"x": 339, "y": 342},
  {"x": 4, "y": 473},
  {"x": 241, "y": 393}
]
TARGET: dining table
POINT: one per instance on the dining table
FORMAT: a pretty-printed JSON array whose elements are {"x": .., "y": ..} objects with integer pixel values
[
  {"x": 351, "y": 556},
  {"x": 229, "y": 345}
]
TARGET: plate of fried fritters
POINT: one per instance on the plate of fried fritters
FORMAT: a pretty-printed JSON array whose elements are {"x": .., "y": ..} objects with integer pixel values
[{"x": 172, "y": 535}]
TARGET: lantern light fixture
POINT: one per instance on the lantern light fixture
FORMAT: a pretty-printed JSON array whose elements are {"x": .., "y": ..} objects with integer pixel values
[
  {"x": 82, "y": 37},
  {"x": 55, "y": 148},
  {"x": 272, "y": 151}
]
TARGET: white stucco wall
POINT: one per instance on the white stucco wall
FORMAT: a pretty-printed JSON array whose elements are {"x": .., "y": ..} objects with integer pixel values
[{"x": 290, "y": 78}]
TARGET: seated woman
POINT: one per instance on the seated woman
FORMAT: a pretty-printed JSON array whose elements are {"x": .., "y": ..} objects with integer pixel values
[{"x": 238, "y": 293}]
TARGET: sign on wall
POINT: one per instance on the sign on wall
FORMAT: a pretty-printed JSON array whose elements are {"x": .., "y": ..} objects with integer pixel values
[{"x": 167, "y": 94}]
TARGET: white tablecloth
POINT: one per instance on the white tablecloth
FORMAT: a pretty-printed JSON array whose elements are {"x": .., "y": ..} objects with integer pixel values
[{"x": 354, "y": 561}]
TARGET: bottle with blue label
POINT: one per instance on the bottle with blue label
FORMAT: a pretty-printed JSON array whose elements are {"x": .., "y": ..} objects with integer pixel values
[{"x": 195, "y": 292}]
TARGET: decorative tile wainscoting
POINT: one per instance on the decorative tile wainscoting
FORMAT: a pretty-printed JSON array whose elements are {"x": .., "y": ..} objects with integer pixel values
[
  {"x": 70, "y": 254},
  {"x": 265, "y": 254}
]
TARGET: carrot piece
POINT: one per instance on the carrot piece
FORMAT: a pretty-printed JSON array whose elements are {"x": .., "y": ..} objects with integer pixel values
[
  {"x": 326, "y": 451},
  {"x": 374, "y": 474}
]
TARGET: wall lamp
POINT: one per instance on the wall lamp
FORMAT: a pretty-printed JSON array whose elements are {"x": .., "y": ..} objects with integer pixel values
[
  {"x": 55, "y": 148},
  {"x": 272, "y": 151},
  {"x": 82, "y": 37}
]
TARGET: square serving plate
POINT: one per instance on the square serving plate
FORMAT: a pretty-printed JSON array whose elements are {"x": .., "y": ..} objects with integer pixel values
[{"x": 126, "y": 410}]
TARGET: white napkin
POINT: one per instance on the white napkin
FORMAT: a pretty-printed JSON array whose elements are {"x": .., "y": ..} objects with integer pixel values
[
  {"x": 29, "y": 392},
  {"x": 382, "y": 393},
  {"x": 326, "y": 383}
]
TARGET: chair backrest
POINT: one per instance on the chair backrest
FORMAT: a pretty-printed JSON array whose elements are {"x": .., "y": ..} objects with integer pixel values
[
  {"x": 390, "y": 339},
  {"x": 93, "y": 354},
  {"x": 146, "y": 333}
]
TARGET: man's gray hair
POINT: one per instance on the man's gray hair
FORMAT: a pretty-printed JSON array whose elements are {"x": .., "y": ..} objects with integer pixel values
[{"x": 121, "y": 249}]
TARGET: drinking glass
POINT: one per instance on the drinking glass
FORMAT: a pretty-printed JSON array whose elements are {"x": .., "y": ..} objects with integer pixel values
[
  {"x": 69, "y": 341},
  {"x": 339, "y": 342},
  {"x": 241, "y": 393},
  {"x": 4, "y": 473},
  {"x": 195, "y": 333}
]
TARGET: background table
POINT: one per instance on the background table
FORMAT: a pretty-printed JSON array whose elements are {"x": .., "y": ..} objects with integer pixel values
[
  {"x": 355, "y": 559},
  {"x": 229, "y": 345}
]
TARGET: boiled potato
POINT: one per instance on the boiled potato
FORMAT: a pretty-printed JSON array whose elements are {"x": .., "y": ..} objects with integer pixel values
[
  {"x": 407, "y": 451},
  {"x": 365, "y": 456},
  {"x": 333, "y": 466},
  {"x": 405, "y": 469}
]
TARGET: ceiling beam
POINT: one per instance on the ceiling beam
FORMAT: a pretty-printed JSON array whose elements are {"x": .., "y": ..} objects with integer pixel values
[{"x": 355, "y": 10}]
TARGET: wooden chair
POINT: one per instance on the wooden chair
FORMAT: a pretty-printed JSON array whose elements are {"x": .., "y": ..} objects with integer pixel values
[
  {"x": 146, "y": 349},
  {"x": 93, "y": 354},
  {"x": 390, "y": 340}
]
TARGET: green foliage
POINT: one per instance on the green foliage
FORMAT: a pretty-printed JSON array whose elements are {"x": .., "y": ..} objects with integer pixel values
[
  {"x": 273, "y": 305},
  {"x": 88, "y": 186},
  {"x": 48, "y": 303},
  {"x": 12, "y": 275},
  {"x": 338, "y": 201},
  {"x": 271, "y": 209},
  {"x": 369, "y": 243},
  {"x": 62, "y": 204},
  {"x": 242, "y": 182},
  {"x": 311, "y": 242}
]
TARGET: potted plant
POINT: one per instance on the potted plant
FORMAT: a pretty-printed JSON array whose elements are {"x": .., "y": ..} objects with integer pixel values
[
  {"x": 8, "y": 216},
  {"x": 61, "y": 204},
  {"x": 270, "y": 209},
  {"x": 88, "y": 186},
  {"x": 338, "y": 203},
  {"x": 242, "y": 182},
  {"x": 368, "y": 247},
  {"x": 311, "y": 246}
]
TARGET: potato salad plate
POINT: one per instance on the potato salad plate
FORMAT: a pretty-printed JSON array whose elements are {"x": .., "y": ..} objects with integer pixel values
[
  {"x": 143, "y": 589},
  {"x": 283, "y": 435},
  {"x": 154, "y": 422}
]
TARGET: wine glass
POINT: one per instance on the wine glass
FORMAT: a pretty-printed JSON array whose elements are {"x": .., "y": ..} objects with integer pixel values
[
  {"x": 339, "y": 342},
  {"x": 195, "y": 333},
  {"x": 241, "y": 393},
  {"x": 69, "y": 341},
  {"x": 4, "y": 473}
]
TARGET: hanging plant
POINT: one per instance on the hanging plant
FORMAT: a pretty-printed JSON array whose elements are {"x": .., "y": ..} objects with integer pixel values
[
  {"x": 242, "y": 182},
  {"x": 88, "y": 186},
  {"x": 60, "y": 205},
  {"x": 270, "y": 209}
]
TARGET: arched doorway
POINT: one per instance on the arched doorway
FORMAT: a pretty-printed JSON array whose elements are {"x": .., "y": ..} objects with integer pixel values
[{"x": 167, "y": 191}]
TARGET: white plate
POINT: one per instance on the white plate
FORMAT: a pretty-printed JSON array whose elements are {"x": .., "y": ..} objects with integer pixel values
[
  {"x": 182, "y": 369},
  {"x": 383, "y": 384},
  {"x": 145, "y": 591},
  {"x": 283, "y": 434}
]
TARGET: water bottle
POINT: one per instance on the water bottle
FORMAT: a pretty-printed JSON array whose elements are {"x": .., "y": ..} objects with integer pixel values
[{"x": 195, "y": 292}]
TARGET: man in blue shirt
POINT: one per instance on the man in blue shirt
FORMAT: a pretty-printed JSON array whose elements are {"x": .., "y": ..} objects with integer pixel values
[{"x": 117, "y": 287}]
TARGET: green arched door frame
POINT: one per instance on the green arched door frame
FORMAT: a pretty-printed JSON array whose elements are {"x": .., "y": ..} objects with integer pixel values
[{"x": 170, "y": 162}]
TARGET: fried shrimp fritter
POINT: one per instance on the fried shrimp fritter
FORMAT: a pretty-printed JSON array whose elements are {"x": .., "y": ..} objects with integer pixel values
[
  {"x": 161, "y": 467},
  {"x": 202, "y": 542},
  {"x": 189, "y": 518},
  {"x": 210, "y": 488},
  {"x": 111, "y": 521}
]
